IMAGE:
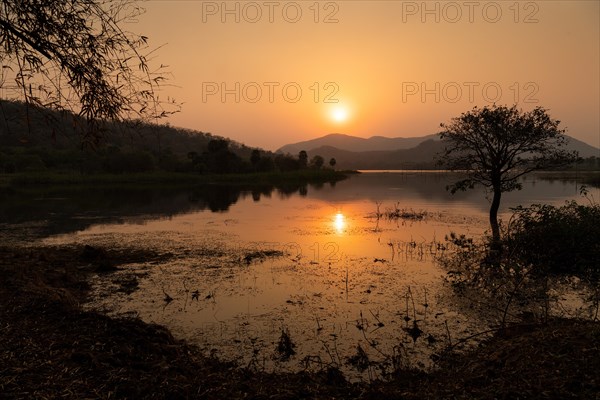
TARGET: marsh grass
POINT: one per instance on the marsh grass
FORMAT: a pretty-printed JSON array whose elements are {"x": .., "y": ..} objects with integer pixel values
[
  {"x": 261, "y": 255},
  {"x": 405, "y": 214},
  {"x": 396, "y": 213},
  {"x": 360, "y": 360},
  {"x": 285, "y": 347}
]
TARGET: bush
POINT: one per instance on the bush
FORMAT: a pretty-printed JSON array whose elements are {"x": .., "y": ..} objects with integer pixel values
[
  {"x": 542, "y": 246},
  {"x": 557, "y": 240}
]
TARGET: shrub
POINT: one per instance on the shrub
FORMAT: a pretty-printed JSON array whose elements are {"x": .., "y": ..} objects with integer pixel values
[
  {"x": 557, "y": 240},
  {"x": 541, "y": 246}
]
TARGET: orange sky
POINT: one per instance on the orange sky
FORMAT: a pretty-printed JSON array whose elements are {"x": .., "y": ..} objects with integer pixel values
[{"x": 396, "y": 68}]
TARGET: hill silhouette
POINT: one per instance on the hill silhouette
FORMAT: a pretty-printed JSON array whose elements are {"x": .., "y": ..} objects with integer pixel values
[
  {"x": 35, "y": 139},
  {"x": 41, "y": 127},
  {"x": 356, "y": 144},
  {"x": 377, "y": 152},
  {"x": 27, "y": 134}
]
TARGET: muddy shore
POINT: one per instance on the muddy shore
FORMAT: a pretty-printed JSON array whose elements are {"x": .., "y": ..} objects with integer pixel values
[{"x": 51, "y": 348}]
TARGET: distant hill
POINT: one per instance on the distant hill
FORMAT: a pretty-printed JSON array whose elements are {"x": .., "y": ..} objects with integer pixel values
[
  {"x": 418, "y": 157},
  {"x": 584, "y": 149},
  {"x": 390, "y": 153},
  {"x": 353, "y": 143}
]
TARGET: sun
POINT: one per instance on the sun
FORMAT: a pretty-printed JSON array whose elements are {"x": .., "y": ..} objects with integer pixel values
[{"x": 339, "y": 114}]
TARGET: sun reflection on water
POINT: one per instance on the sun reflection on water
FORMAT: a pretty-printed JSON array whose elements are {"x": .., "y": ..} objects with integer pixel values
[{"x": 339, "y": 223}]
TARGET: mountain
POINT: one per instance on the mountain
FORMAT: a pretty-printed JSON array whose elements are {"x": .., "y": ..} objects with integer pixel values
[
  {"x": 584, "y": 149},
  {"x": 353, "y": 143},
  {"x": 419, "y": 157},
  {"x": 390, "y": 153}
]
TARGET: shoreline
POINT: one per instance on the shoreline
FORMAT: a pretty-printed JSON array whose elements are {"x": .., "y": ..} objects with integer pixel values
[
  {"x": 307, "y": 176},
  {"x": 52, "y": 348},
  {"x": 165, "y": 178}
]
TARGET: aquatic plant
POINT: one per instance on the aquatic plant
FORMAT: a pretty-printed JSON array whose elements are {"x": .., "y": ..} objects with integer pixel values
[
  {"x": 285, "y": 346},
  {"x": 360, "y": 360},
  {"x": 396, "y": 213}
]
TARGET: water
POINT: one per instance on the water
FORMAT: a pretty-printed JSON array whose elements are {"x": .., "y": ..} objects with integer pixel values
[{"x": 246, "y": 264}]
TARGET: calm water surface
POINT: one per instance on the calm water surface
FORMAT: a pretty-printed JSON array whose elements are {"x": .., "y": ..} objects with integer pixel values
[{"x": 332, "y": 274}]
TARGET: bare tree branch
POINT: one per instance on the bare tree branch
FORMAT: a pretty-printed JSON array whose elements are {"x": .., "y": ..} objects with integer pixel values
[{"x": 74, "y": 55}]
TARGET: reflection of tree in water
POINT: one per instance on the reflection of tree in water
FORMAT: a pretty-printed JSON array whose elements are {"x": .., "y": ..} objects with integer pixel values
[
  {"x": 262, "y": 191},
  {"x": 73, "y": 208},
  {"x": 69, "y": 209},
  {"x": 318, "y": 185},
  {"x": 216, "y": 198},
  {"x": 286, "y": 190}
]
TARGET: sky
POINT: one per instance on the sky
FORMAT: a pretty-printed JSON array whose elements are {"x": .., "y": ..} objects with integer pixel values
[{"x": 269, "y": 73}]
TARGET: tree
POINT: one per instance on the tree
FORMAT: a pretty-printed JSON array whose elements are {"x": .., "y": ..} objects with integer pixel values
[
  {"x": 332, "y": 162},
  {"x": 192, "y": 156},
  {"x": 303, "y": 158},
  {"x": 497, "y": 145},
  {"x": 317, "y": 162},
  {"x": 265, "y": 164},
  {"x": 217, "y": 146},
  {"x": 255, "y": 158},
  {"x": 75, "y": 55},
  {"x": 285, "y": 162}
]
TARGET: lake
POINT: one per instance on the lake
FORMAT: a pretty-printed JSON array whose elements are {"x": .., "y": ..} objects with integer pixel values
[{"x": 315, "y": 262}]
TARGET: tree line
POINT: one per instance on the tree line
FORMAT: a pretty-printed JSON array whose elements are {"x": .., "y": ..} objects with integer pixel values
[{"x": 217, "y": 157}]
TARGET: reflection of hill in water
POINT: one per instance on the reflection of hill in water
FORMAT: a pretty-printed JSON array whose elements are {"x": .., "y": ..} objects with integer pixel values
[
  {"x": 430, "y": 187},
  {"x": 70, "y": 209}
]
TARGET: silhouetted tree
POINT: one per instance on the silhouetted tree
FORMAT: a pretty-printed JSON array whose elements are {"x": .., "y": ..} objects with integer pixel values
[
  {"x": 265, "y": 164},
  {"x": 196, "y": 160},
  {"x": 332, "y": 162},
  {"x": 497, "y": 145},
  {"x": 317, "y": 162},
  {"x": 75, "y": 55},
  {"x": 219, "y": 159},
  {"x": 286, "y": 163},
  {"x": 303, "y": 158},
  {"x": 255, "y": 158},
  {"x": 217, "y": 145},
  {"x": 168, "y": 161}
]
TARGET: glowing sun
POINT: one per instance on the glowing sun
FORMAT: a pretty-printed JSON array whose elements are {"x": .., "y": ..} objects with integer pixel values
[{"x": 339, "y": 114}]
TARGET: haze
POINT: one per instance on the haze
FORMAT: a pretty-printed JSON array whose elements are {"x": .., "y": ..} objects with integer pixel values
[{"x": 269, "y": 73}]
